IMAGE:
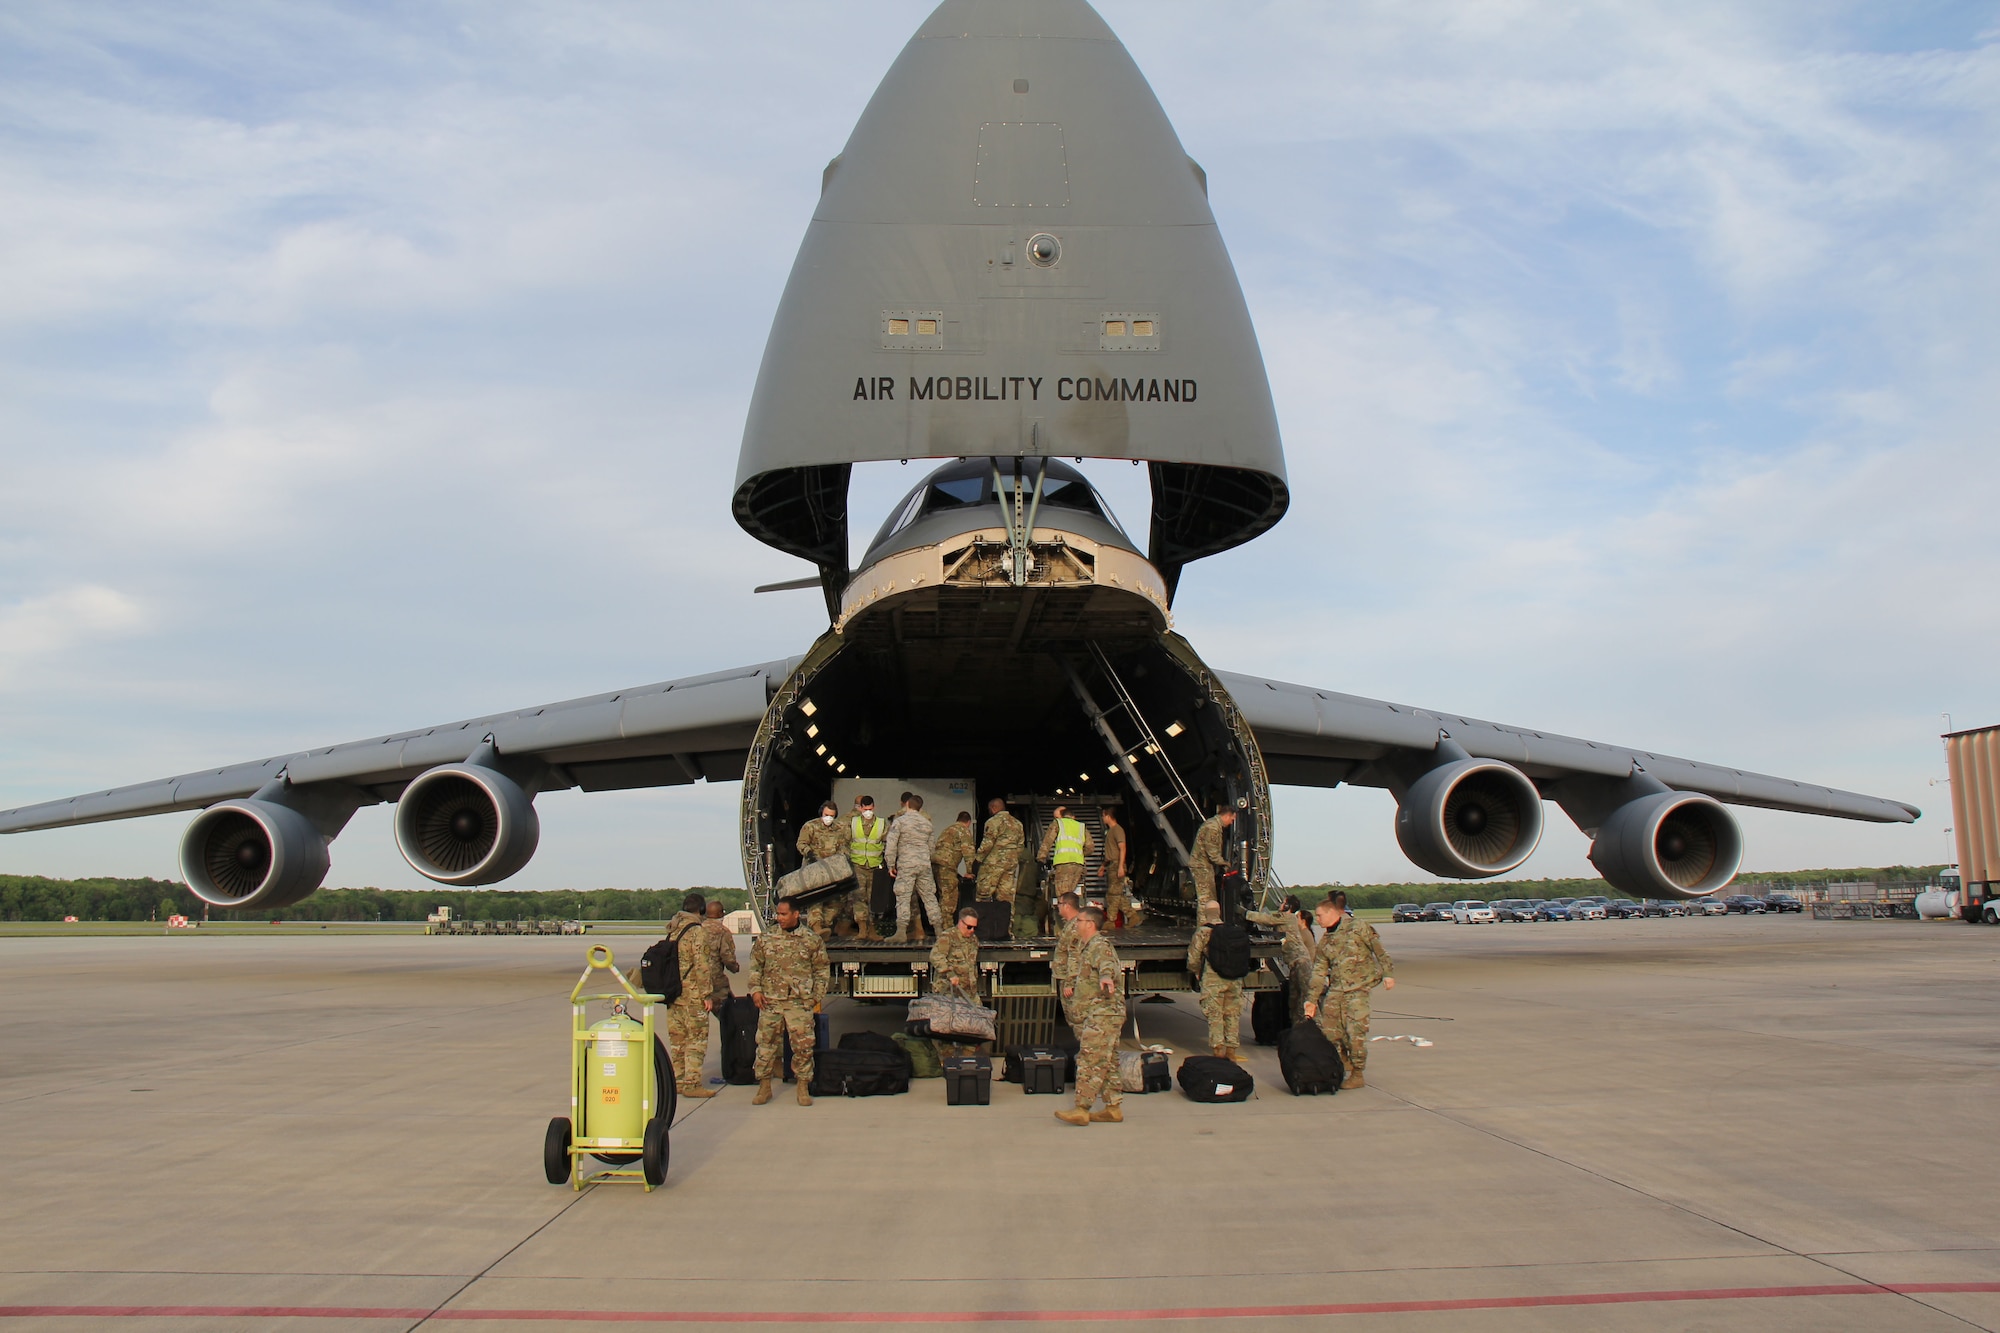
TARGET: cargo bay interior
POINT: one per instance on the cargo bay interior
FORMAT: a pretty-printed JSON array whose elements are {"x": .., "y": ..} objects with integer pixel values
[{"x": 1057, "y": 687}]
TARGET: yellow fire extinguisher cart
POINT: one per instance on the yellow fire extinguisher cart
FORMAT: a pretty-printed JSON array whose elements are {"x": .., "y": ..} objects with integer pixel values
[{"x": 620, "y": 1092}]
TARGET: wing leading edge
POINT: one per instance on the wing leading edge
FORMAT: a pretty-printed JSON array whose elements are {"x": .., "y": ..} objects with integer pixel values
[
  {"x": 665, "y": 734},
  {"x": 1321, "y": 738}
]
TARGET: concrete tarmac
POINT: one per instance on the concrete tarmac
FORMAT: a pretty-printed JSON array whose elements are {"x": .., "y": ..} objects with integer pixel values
[{"x": 1738, "y": 1123}]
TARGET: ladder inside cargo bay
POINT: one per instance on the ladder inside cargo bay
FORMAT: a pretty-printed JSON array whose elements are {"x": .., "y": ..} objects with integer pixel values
[{"x": 1144, "y": 749}]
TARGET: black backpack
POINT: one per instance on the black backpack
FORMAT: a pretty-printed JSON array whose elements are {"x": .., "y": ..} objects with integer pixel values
[
  {"x": 1229, "y": 951},
  {"x": 660, "y": 968},
  {"x": 859, "y": 1073},
  {"x": 1309, "y": 1062},
  {"x": 1210, "y": 1078}
]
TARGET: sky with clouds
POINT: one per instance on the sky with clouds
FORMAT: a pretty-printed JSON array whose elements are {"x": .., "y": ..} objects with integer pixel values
[{"x": 370, "y": 366}]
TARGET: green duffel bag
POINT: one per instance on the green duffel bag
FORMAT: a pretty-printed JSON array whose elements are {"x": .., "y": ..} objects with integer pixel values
[{"x": 924, "y": 1062}]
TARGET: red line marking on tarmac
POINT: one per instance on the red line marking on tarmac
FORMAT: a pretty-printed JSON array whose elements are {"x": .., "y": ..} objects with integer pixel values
[{"x": 984, "y": 1316}]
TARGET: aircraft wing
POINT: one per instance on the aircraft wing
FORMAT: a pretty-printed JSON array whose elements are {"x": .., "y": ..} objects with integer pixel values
[
  {"x": 660, "y": 735},
  {"x": 1322, "y": 738}
]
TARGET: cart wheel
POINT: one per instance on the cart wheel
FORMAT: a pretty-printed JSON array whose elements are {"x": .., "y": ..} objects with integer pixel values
[
  {"x": 555, "y": 1152},
  {"x": 654, "y": 1159}
]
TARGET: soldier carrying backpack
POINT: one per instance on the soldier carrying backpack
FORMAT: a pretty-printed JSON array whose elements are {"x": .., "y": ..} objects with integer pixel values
[{"x": 1219, "y": 957}]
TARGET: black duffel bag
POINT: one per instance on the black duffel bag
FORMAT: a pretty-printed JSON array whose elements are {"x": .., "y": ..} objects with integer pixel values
[
  {"x": 1210, "y": 1078},
  {"x": 852, "y": 1073}
]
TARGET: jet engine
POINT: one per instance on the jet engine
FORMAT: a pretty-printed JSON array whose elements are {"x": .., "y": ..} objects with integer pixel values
[
  {"x": 251, "y": 853},
  {"x": 1669, "y": 844},
  {"x": 466, "y": 824},
  {"x": 1470, "y": 819}
]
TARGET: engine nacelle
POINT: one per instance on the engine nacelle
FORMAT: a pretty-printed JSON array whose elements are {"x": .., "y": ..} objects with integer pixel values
[
  {"x": 1668, "y": 845},
  {"x": 1470, "y": 819},
  {"x": 466, "y": 824},
  {"x": 252, "y": 854}
]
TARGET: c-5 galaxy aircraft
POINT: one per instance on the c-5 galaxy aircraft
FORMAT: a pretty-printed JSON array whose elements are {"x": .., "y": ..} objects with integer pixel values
[{"x": 1012, "y": 263}]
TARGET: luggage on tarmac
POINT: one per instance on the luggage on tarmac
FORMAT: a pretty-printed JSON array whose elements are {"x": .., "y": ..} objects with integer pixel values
[
  {"x": 738, "y": 1016},
  {"x": 1042, "y": 1068},
  {"x": 923, "y": 1053},
  {"x": 1270, "y": 1013},
  {"x": 996, "y": 921},
  {"x": 952, "y": 1018},
  {"x": 968, "y": 1080},
  {"x": 816, "y": 879},
  {"x": 1309, "y": 1062},
  {"x": 1233, "y": 894},
  {"x": 859, "y": 1073},
  {"x": 1229, "y": 950},
  {"x": 1210, "y": 1078},
  {"x": 879, "y": 1042},
  {"x": 1010, "y": 1068},
  {"x": 1144, "y": 1071}
]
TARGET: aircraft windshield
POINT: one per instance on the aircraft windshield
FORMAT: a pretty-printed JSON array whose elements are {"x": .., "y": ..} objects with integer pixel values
[{"x": 968, "y": 483}]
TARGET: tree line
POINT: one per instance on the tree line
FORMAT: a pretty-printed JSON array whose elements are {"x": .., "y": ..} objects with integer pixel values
[{"x": 35, "y": 898}]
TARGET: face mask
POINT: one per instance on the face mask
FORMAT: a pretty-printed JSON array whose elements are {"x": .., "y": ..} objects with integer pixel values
[
  {"x": 826, "y": 819},
  {"x": 868, "y": 812}
]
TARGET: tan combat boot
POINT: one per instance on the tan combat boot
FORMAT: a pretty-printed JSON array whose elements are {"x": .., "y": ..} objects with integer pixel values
[
  {"x": 1220, "y": 1052},
  {"x": 1353, "y": 1080},
  {"x": 805, "y": 1095},
  {"x": 763, "y": 1092},
  {"x": 1110, "y": 1115},
  {"x": 697, "y": 1092},
  {"x": 1076, "y": 1115},
  {"x": 1233, "y": 1053},
  {"x": 900, "y": 937}
]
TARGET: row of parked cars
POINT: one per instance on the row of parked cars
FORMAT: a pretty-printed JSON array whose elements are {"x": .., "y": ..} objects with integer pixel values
[{"x": 1593, "y": 907}]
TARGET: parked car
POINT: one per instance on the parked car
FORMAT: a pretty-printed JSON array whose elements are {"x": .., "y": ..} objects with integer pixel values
[
  {"x": 1622, "y": 909},
  {"x": 1663, "y": 907},
  {"x": 1436, "y": 912},
  {"x": 1783, "y": 902},
  {"x": 1744, "y": 904},
  {"x": 1472, "y": 912},
  {"x": 1585, "y": 910},
  {"x": 1553, "y": 910},
  {"x": 1513, "y": 909},
  {"x": 1406, "y": 912},
  {"x": 1708, "y": 907}
]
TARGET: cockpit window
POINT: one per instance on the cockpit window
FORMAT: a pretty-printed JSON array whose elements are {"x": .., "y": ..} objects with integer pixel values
[{"x": 968, "y": 484}]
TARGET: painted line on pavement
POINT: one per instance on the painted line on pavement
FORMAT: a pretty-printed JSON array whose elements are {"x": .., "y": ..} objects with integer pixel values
[{"x": 987, "y": 1316}]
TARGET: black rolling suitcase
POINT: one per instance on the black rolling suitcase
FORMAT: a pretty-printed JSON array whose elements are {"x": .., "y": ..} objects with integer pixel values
[
  {"x": 1210, "y": 1078},
  {"x": 739, "y": 1039},
  {"x": 968, "y": 1080},
  {"x": 1309, "y": 1061},
  {"x": 1270, "y": 1014},
  {"x": 1017, "y": 1056},
  {"x": 996, "y": 921}
]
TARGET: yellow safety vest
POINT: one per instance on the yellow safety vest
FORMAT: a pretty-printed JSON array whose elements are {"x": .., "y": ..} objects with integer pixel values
[
  {"x": 865, "y": 848},
  {"x": 1069, "y": 843}
]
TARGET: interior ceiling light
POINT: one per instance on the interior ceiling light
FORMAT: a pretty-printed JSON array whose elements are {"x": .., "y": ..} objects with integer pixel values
[
  {"x": 841, "y": 768},
  {"x": 1112, "y": 769},
  {"x": 812, "y": 729},
  {"x": 1084, "y": 776},
  {"x": 820, "y": 748},
  {"x": 1175, "y": 729},
  {"x": 808, "y": 708}
]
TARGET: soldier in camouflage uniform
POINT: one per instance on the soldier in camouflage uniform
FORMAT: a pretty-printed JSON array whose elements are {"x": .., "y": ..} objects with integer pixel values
[
  {"x": 788, "y": 979},
  {"x": 909, "y": 862},
  {"x": 1066, "y": 848},
  {"x": 1062, "y": 963},
  {"x": 725, "y": 955},
  {"x": 1208, "y": 855},
  {"x": 955, "y": 959},
  {"x": 954, "y": 846},
  {"x": 866, "y": 834},
  {"x": 1349, "y": 961},
  {"x": 687, "y": 1017},
  {"x": 1099, "y": 1009},
  {"x": 999, "y": 854},
  {"x": 1221, "y": 998},
  {"x": 1298, "y": 949},
  {"x": 821, "y": 837},
  {"x": 1117, "y": 882}
]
